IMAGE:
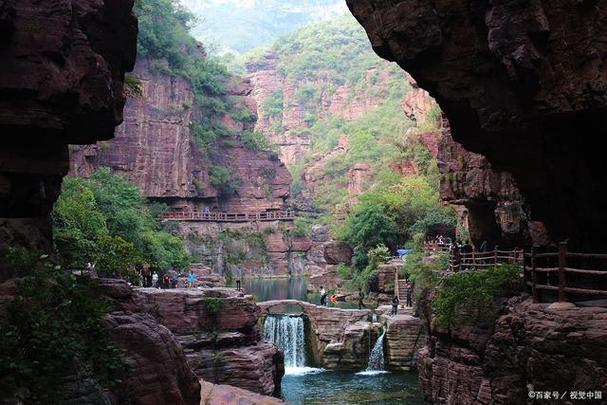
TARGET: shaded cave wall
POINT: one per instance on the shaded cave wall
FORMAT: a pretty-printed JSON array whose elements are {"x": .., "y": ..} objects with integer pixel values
[
  {"x": 522, "y": 83},
  {"x": 58, "y": 85}
]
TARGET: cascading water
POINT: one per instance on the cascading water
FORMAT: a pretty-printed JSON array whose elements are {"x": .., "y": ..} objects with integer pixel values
[
  {"x": 287, "y": 332},
  {"x": 376, "y": 358}
]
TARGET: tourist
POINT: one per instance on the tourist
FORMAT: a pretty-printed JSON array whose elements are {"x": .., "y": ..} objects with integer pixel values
[
  {"x": 155, "y": 279},
  {"x": 361, "y": 296},
  {"x": 192, "y": 279},
  {"x": 238, "y": 279},
  {"x": 408, "y": 292},
  {"x": 207, "y": 213},
  {"x": 484, "y": 247},
  {"x": 323, "y": 296},
  {"x": 395, "y": 302},
  {"x": 166, "y": 281}
]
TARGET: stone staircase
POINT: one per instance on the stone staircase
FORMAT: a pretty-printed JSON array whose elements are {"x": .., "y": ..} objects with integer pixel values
[{"x": 402, "y": 284}]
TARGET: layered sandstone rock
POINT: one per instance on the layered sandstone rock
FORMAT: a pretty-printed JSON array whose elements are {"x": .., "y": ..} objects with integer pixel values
[
  {"x": 160, "y": 370},
  {"x": 214, "y": 332},
  {"x": 403, "y": 339},
  {"x": 530, "y": 347},
  {"x": 228, "y": 395},
  {"x": 516, "y": 81},
  {"x": 156, "y": 149},
  {"x": 492, "y": 207},
  {"x": 248, "y": 249},
  {"x": 59, "y": 86}
]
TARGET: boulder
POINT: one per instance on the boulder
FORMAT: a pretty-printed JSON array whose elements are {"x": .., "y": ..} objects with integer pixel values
[
  {"x": 229, "y": 395},
  {"x": 337, "y": 252},
  {"x": 161, "y": 374}
]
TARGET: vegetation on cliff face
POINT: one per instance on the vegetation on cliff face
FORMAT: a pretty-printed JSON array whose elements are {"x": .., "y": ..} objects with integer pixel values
[
  {"x": 52, "y": 331},
  {"x": 327, "y": 71},
  {"x": 104, "y": 219},
  {"x": 468, "y": 298}
]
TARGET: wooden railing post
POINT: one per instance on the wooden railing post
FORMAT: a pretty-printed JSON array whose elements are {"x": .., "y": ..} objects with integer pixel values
[
  {"x": 534, "y": 293},
  {"x": 562, "y": 264},
  {"x": 473, "y": 260},
  {"x": 495, "y": 255}
]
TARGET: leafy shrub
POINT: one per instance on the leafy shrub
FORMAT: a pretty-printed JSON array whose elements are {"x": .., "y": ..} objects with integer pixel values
[
  {"x": 274, "y": 104},
  {"x": 222, "y": 179},
  {"x": 467, "y": 297},
  {"x": 52, "y": 330},
  {"x": 105, "y": 219},
  {"x": 253, "y": 140},
  {"x": 213, "y": 306}
]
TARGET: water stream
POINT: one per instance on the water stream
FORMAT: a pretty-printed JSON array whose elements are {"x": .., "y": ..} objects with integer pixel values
[
  {"x": 376, "y": 363},
  {"x": 304, "y": 384}
]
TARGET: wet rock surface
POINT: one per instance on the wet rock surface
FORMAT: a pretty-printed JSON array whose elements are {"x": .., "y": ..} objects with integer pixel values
[{"x": 339, "y": 337}]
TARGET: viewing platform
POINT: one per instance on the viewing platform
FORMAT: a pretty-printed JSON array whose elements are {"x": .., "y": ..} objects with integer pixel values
[{"x": 198, "y": 216}]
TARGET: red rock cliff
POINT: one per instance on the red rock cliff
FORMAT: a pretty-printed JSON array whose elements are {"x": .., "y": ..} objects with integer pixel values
[
  {"x": 61, "y": 79},
  {"x": 155, "y": 149},
  {"x": 520, "y": 83}
]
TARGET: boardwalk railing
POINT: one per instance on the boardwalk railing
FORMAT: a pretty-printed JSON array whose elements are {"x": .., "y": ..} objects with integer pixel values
[
  {"x": 566, "y": 272},
  {"x": 228, "y": 216},
  {"x": 481, "y": 260}
]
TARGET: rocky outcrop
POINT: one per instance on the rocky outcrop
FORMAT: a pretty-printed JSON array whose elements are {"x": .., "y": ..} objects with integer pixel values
[
  {"x": 404, "y": 338},
  {"x": 359, "y": 179},
  {"x": 217, "y": 329},
  {"x": 516, "y": 81},
  {"x": 208, "y": 333},
  {"x": 495, "y": 210},
  {"x": 228, "y": 395},
  {"x": 160, "y": 370},
  {"x": 337, "y": 252},
  {"x": 500, "y": 363},
  {"x": 57, "y": 87}
]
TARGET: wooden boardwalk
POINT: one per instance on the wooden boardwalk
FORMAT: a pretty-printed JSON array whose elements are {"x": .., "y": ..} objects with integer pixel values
[{"x": 199, "y": 216}]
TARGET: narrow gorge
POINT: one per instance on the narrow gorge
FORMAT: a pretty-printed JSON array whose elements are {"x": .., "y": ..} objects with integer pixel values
[{"x": 302, "y": 202}]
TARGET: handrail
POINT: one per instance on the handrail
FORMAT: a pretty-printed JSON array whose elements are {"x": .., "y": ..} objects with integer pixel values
[
  {"x": 566, "y": 275},
  {"x": 228, "y": 216}
]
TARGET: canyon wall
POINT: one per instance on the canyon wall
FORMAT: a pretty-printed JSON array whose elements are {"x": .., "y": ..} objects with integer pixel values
[
  {"x": 499, "y": 363},
  {"x": 156, "y": 149},
  {"x": 58, "y": 86},
  {"x": 490, "y": 206},
  {"x": 520, "y": 83}
]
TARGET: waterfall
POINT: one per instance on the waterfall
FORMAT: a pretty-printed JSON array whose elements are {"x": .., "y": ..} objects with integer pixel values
[
  {"x": 376, "y": 358},
  {"x": 287, "y": 332}
]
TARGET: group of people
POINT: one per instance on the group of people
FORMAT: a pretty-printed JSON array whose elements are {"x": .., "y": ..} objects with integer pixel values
[
  {"x": 408, "y": 297},
  {"x": 151, "y": 278}
]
